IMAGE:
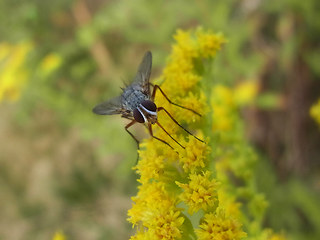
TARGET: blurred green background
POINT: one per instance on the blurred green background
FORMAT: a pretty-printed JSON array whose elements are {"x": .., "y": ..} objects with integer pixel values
[{"x": 63, "y": 168}]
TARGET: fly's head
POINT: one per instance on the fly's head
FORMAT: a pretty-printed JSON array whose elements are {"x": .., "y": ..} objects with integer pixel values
[{"x": 146, "y": 112}]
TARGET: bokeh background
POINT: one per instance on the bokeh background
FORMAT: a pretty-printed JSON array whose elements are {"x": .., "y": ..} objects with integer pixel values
[{"x": 63, "y": 168}]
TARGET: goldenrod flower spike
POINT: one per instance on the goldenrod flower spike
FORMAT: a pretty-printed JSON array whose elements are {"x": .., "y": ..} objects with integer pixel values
[
  {"x": 169, "y": 179},
  {"x": 177, "y": 189}
]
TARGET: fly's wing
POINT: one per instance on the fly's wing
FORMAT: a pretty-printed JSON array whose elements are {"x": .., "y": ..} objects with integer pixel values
[
  {"x": 110, "y": 107},
  {"x": 144, "y": 72}
]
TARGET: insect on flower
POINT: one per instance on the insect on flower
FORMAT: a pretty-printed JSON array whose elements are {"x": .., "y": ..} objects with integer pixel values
[{"x": 136, "y": 103}]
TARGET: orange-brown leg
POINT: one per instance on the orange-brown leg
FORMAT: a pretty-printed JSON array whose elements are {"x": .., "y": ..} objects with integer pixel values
[{"x": 126, "y": 128}]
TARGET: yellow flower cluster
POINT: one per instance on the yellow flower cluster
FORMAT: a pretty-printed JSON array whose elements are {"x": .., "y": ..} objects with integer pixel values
[
  {"x": 200, "y": 192},
  {"x": 224, "y": 227},
  {"x": 157, "y": 211},
  {"x": 13, "y": 73},
  {"x": 180, "y": 75},
  {"x": 177, "y": 183},
  {"x": 315, "y": 112},
  {"x": 194, "y": 156}
]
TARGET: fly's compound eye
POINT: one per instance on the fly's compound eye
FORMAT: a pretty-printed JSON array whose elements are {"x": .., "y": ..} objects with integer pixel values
[
  {"x": 138, "y": 116},
  {"x": 149, "y": 105}
]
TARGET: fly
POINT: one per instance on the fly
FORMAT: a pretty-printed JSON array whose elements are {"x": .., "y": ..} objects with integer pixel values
[{"x": 136, "y": 103}]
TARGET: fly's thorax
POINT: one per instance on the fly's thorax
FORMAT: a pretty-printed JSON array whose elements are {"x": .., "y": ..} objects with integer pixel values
[
  {"x": 132, "y": 96},
  {"x": 146, "y": 112}
]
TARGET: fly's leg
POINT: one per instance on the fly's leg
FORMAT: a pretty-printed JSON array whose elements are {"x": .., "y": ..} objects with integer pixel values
[
  {"x": 175, "y": 121},
  {"x": 170, "y": 135},
  {"x": 151, "y": 133},
  {"x": 137, "y": 141},
  {"x": 156, "y": 87},
  {"x": 126, "y": 128},
  {"x": 163, "y": 141}
]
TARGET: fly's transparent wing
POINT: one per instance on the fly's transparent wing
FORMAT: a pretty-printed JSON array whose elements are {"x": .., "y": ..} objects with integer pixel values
[
  {"x": 144, "y": 72},
  {"x": 110, "y": 107}
]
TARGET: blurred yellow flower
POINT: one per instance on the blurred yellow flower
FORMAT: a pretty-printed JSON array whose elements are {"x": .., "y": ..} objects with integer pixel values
[
  {"x": 50, "y": 63},
  {"x": 268, "y": 234},
  {"x": 59, "y": 236},
  {"x": 222, "y": 102},
  {"x": 245, "y": 92},
  {"x": 277, "y": 237},
  {"x": 315, "y": 112},
  {"x": 209, "y": 43},
  {"x": 13, "y": 70},
  {"x": 229, "y": 204}
]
